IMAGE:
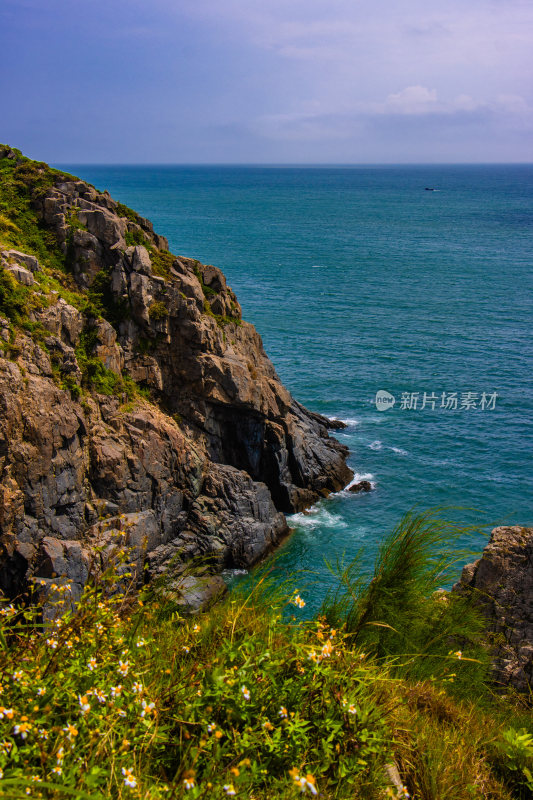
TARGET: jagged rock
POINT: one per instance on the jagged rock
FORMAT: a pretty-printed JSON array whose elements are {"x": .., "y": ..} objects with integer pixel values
[
  {"x": 194, "y": 593},
  {"x": 141, "y": 260},
  {"x": 104, "y": 225},
  {"x": 21, "y": 274},
  {"x": 88, "y": 259},
  {"x": 500, "y": 583},
  {"x": 107, "y": 349},
  {"x": 64, "y": 321},
  {"x": 30, "y": 262},
  {"x": 360, "y": 486},
  {"x": 207, "y": 471}
]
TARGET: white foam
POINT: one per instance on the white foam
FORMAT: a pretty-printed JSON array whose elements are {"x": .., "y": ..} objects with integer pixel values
[
  {"x": 377, "y": 445},
  {"x": 349, "y": 421},
  {"x": 233, "y": 573},
  {"x": 357, "y": 477},
  {"x": 399, "y": 450},
  {"x": 316, "y": 517}
]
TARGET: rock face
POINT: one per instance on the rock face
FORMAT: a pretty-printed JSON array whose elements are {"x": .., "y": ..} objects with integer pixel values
[
  {"x": 206, "y": 468},
  {"x": 501, "y": 584}
]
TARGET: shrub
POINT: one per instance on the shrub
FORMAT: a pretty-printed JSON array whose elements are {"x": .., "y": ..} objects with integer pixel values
[
  {"x": 158, "y": 311},
  {"x": 13, "y": 296}
]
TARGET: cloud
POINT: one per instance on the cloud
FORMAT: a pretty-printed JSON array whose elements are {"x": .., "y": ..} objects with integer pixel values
[
  {"x": 419, "y": 100},
  {"x": 411, "y": 100}
]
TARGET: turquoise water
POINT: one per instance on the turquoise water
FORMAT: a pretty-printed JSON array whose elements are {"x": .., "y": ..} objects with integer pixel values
[{"x": 359, "y": 280}]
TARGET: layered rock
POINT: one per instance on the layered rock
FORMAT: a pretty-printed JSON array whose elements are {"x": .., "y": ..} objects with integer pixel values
[
  {"x": 204, "y": 469},
  {"x": 501, "y": 585}
]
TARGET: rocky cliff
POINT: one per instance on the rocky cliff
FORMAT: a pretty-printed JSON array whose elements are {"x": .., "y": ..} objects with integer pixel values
[
  {"x": 501, "y": 585},
  {"x": 137, "y": 404}
]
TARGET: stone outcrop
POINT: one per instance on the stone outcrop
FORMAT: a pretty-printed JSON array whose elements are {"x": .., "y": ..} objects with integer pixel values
[
  {"x": 202, "y": 470},
  {"x": 501, "y": 585},
  {"x": 360, "y": 486}
]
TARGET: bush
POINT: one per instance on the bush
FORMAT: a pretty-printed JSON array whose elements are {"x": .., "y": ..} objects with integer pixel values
[
  {"x": 122, "y": 697},
  {"x": 399, "y": 614},
  {"x": 117, "y": 699},
  {"x": 13, "y": 296},
  {"x": 158, "y": 311}
]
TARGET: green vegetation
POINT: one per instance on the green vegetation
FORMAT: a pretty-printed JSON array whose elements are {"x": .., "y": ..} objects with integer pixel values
[
  {"x": 162, "y": 261},
  {"x": 136, "y": 237},
  {"x": 13, "y": 297},
  {"x": 402, "y": 612},
  {"x": 21, "y": 182},
  {"x": 101, "y": 302},
  {"x": 220, "y": 318},
  {"x": 95, "y": 375},
  {"x": 129, "y": 213},
  {"x": 207, "y": 290},
  {"x": 74, "y": 222},
  {"x": 158, "y": 311},
  {"x": 123, "y": 698}
]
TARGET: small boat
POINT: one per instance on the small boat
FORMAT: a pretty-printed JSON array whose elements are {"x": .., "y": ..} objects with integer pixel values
[{"x": 430, "y": 189}]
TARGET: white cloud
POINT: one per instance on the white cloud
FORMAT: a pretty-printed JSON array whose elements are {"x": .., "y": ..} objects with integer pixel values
[{"x": 411, "y": 100}]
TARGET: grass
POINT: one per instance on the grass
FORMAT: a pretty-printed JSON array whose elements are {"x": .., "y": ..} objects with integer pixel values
[{"x": 121, "y": 697}]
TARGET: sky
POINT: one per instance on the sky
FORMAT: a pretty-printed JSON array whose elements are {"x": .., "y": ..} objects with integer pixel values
[{"x": 268, "y": 81}]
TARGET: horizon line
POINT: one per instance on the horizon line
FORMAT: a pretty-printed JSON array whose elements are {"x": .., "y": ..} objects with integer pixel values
[{"x": 293, "y": 165}]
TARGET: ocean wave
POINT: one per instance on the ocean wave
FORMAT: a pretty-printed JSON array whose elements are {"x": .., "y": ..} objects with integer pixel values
[
  {"x": 316, "y": 517},
  {"x": 351, "y": 422},
  {"x": 357, "y": 477},
  {"x": 399, "y": 450},
  {"x": 376, "y": 445},
  {"x": 228, "y": 574}
]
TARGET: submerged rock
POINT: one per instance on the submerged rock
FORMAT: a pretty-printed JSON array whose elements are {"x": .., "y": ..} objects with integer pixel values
[{"x": 500, "y": 583}]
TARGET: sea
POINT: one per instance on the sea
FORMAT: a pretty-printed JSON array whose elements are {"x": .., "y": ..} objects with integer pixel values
[{"x": 410, "y": 283}]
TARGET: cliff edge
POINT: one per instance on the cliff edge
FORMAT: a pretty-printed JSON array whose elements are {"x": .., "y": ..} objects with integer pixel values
[
  {"x": 137, "y": 405},
  {"x": 500, "y": 584}
]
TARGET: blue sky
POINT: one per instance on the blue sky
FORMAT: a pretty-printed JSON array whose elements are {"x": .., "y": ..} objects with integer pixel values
[{"x": 267, "y": 81}]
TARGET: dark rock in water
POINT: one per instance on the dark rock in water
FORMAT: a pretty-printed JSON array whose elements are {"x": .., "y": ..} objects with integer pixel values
[
  {"x": 336, "y": 424},
  {"x": 361, "y": 486},
  {"x": 500, "y": 583},
  {"x": 203, "y": 470}
]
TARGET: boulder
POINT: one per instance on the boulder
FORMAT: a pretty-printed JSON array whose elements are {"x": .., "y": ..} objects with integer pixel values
[
  {"x": 21, "y": 274},
  {"x": 28, "y": 261},
  {"x": 360, "y": 486},
  {"x": 500, "y": 583}
]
